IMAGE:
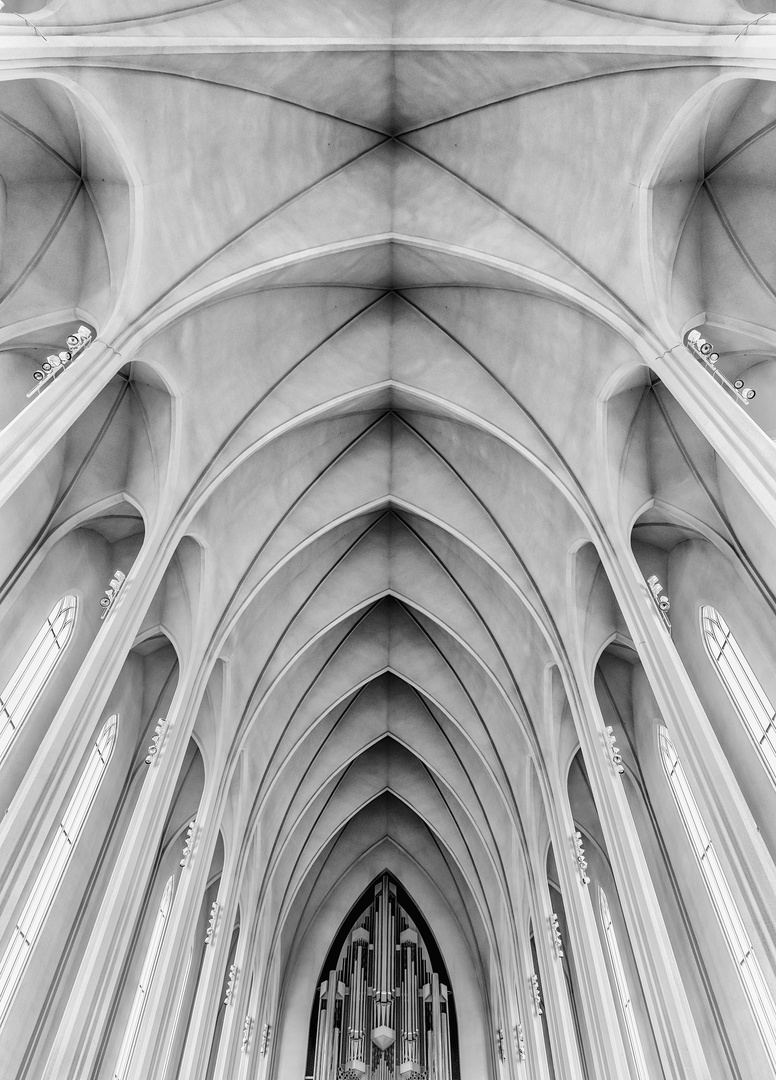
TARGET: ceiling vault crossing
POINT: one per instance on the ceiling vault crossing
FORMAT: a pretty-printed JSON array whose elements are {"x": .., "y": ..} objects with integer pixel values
[{"x": 378, "y": 748}]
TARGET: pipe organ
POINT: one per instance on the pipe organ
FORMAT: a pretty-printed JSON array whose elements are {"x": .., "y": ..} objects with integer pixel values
[{"x": 382, "y": 1012}]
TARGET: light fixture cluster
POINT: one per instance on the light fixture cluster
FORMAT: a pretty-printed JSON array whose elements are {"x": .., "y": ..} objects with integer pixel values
[
  {"x": 556, "y": 938},
  {"x": 114, "y": 587},
  {"x": 579, "y": 851},
  {"x": 704, "y": 351},
  {"x": 519, "y": 1042},
  {"x": 189, "y": 843},
  {"x": 662, "y": 602},
  {"x": 246, "y": 1034},
  {"x": 537, "y": 997},
  {"x": 56, "y": 363},
  {"x": 156, "y": 741},
  {"x": 212, "y": 923},
  {"x": 613, "y": 749},
  {"x": 265, "y": 1033},
  {"x": 231, "y": 982}
]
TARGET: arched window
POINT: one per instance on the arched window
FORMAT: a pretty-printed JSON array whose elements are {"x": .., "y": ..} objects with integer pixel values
[
  {"x": 626, "y": 1003},
  {"x": 146, "y": 975},
  {"x": 22, "y": 689},
  {"x": 730, "y": 920},
  {"x": 742, "y": 686},
  {"x": 54, "y": 865}
]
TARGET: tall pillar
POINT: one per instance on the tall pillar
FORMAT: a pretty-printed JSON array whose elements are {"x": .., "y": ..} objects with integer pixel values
[
  {"x": 679, "y": 1043},
  {"x": 594, "y": 988},
  {"x": 89, "y": 1005}
]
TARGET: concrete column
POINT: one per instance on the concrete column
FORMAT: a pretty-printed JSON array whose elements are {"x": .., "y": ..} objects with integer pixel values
[
  {"x": 679, "y": 1043},
  {"x": 596, "y": 999},
  {"x": 38, "y": 800},
  {"x": 739, "y": 441},
  {"x": 741, "y": 845},
  {"x": 196, "y": 1052},
  {"x": 231, "y": 1033},
  {"x": 556, "y": 1003},
  {"x": 535, "y": 1066},
  {"x": 88, "y": 1010},
  {"x": 148, "y": 1059}
]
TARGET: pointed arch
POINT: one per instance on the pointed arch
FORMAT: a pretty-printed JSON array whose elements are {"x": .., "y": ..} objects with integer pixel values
[{"x": 386, "y": 945}]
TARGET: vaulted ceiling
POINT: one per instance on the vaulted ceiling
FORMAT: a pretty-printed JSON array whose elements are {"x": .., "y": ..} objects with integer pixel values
[{"x": 382, "y": 270}]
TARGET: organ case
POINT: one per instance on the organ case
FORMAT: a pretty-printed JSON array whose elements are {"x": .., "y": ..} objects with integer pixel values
[{"x": 383, "y": 1013}]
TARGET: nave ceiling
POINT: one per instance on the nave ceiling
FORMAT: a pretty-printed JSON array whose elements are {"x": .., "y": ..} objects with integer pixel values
[{"x": 384, "y": 386}]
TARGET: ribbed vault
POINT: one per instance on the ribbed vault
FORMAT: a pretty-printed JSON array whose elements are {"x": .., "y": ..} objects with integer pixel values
[{"x": 387, "y": 420}]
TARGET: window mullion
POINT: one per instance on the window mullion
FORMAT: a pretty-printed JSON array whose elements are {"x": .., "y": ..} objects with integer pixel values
[
  {"x": 730, "y": 920},
  {"x": 52, "y": 870}
]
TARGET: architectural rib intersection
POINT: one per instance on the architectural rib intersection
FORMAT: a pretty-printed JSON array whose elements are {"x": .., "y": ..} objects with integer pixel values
[{"x": 387, "y": 418}]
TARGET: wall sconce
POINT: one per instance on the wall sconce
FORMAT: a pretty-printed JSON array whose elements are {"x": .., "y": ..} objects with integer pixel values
[
  {"x": 537, "y": 997},
  {"x": 211, "y": 926},
  {"x": 156, "y": 741},
  {"x": 56, "y": 363},
  {"x": 662, "y": 602},
  {"x": 613, "y": 749},
  {"x": 704, "y": 351},
  {"x": 579, "y": 852},
  {"x": 556, "y": 939},
  {"x": 230, "y": 985},
  {"x": 107, "y": 601},
  {"x": 189, "y": 843}
]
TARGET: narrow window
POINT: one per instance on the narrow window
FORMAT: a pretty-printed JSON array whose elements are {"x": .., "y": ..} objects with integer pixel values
[
  {"x": 742, "y": 685},
  {"x": 22, "y": 689},
  {"x": 50, "y": 875},
  {"x": 730, "y": 920},
  {"x": 621, "y": 985},
  {"x": 178, "y": 1011},
  {"x": 146, "y": 975}
]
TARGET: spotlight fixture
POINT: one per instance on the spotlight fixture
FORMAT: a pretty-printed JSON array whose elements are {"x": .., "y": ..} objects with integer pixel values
[
  {"x": 581, "y": 860},
  {"x": 108, "y": 600},
  {"x": 153, "y": 750},
  {"x": 189, "y": 843},
  {"x": 55, "y": 363},
  {"x": 613, "y": 749},
  {"x": 662, "y": 602},
  {"x": 705, "y": 352}
]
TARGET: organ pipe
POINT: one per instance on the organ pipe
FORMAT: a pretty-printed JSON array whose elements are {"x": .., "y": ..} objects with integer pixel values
[{"x": 383, "y": 1012}]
